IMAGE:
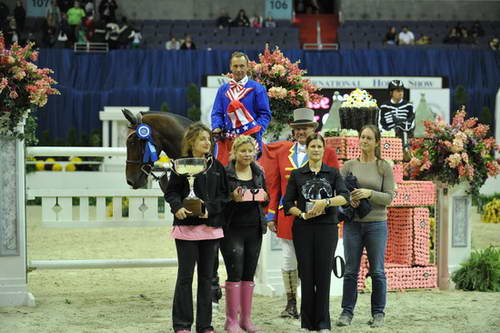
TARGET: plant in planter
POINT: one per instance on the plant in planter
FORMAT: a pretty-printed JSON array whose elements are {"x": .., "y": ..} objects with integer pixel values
[
  {"x": 454, "y": 153},
  {"x": 481, "y": 272},
  {"x": 22, "y": 86}
]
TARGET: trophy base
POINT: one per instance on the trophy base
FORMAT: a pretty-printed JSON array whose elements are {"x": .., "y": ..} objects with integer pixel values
[{"x": 195, "y": 206}]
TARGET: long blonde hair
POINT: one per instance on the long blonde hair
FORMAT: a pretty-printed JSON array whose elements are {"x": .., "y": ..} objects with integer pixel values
[
  {"x": 240, "y": 141},
  {"x": 191, "y": 135}
]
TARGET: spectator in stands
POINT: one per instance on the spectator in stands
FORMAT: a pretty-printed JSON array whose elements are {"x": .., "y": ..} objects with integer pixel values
[
  {"x": 173, "y": 44},
  {"x": 453, "y": 37},
  {"x": 49, "y": 37},
  {"x": 269, "y": 22},
  {"x": 188, "y": 44},
  {"x": 4, "y": 13},
  {"x": 256, "y": 21},
  {"x": 466, "y": 38},
  {"x": 53, "y": 15},
  {"x": 224, "y": 20},
  {"x": 391, "y": 36},
  {"x": 107, "y": 10},
  {"x": 11, "y": 32},
  {"x": 423, "y": 40},
  {"x": 476, "y": 30},
  {"x": 89, "y": 8},
  {"x": 113, "y": 32},
  {"x": 136, "y": 37},
  {"x": 313, "y": 7},
  {"x": 65, "y": 5},
  {"x": 80, "y": 35},
  {"x": 406, "y": 37},
  {"x": 75, "y": 16},
  {"x": 64, "y": 31},
  {"x": 494, "y": 44},
  {"x": 20, "y": 15},
  {"x": 241, "y": 20}
]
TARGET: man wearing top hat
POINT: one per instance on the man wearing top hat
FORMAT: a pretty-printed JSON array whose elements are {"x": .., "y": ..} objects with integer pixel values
[
  {"x": 240, "y": 107},
  {"x": 278, "y": 160}
]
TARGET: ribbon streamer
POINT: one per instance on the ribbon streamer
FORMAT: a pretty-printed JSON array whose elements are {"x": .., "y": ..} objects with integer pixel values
[{"x": 143, "y": 132}]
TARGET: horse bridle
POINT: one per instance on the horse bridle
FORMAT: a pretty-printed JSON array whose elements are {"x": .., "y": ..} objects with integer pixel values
[{"x": 140, "y": 162}]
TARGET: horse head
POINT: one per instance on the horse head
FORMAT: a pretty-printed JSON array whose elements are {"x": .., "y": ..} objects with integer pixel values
[{"x": 167, "y": 131}]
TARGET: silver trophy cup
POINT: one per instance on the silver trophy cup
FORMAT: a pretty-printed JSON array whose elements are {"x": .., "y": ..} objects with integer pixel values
[{"x": 190, "y": 167}]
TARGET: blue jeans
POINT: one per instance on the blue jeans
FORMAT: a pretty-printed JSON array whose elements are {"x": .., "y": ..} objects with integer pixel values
[{"x": 372, "y": 236}]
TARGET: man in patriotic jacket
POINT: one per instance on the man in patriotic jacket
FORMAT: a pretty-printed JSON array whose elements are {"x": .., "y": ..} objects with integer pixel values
[
  {"x": 279, "y": 159},
  {"x": 240, "y": 107}
]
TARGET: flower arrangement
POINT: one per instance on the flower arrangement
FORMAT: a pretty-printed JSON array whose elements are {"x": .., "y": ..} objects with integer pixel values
[
  {"x": 454, "y": 153},
  {"x": 358, "y": 108},
  {"x": 359, "y": 98},
  {"x": 22, "y": 85},
  {"x": 286, "y": 87}
]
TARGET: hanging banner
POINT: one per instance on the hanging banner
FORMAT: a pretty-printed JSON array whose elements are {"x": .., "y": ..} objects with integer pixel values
[{"x": 363, "y": 82}]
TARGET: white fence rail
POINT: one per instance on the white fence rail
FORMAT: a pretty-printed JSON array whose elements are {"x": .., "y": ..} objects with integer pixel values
[
  {"x": 76, "y": 151},
  {"x": 143, "y": 209}
]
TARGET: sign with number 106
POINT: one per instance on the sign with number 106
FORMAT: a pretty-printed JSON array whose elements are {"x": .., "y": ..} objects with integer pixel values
[
  {"x": 279, "y": 9},
  {"x": 37, "y": 8}
]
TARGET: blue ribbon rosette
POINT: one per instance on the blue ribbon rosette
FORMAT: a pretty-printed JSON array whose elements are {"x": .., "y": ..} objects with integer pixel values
[{"x": 143, "y": 132}]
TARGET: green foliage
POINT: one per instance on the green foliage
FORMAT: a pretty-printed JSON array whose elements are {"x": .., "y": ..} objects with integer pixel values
[
  {"x": 164, "y": 107},
  {"x": 461, "y": 96},
  {"x": 30, "y": 130},
  {"x": 481, "y": 272},
  {"x": 194, "y": 113},
  {"x": 193, "y": 94},
  {"x": 483, "y": 199}
]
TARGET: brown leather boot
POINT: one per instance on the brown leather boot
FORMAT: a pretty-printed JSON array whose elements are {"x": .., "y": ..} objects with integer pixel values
[
  {"x": 290, "y": 280},
  {"x": 291, "y": 307}
]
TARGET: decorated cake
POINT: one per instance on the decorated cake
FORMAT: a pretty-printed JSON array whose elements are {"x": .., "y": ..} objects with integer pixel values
[{"x": 358, "y": 109}]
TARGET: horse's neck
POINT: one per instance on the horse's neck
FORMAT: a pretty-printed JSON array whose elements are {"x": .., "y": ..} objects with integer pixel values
[{"x": 170, "y": 146}]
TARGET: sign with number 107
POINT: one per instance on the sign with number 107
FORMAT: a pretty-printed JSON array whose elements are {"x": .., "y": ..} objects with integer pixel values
[
  {"x": 37, "y": 8},
  {"x": 279, "y": 9}
]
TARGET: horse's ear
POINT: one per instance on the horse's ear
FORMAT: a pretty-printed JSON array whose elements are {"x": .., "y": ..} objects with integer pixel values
[{"x": 130, "y": 116}]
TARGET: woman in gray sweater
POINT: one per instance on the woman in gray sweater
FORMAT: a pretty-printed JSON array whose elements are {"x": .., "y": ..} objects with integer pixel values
[{"x": 376, "y": 181}]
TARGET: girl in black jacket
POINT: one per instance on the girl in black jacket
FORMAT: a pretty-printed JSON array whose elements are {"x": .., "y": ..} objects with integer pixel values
[
  {"x": 243, "y": 232},
  {"x": 312, "y": 193},
  {"x": 196, "y": 237}
]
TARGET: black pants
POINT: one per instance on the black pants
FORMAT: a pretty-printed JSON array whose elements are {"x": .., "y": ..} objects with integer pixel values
[
  {"x": 240, "y": 248},
  {"x": 203, "y": 253},
  {"x": 315, "y": 245}
]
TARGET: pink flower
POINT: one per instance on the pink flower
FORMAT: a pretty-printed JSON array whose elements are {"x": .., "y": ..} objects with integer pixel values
[
  {"x": 3, "y": 83},
  {"x": 493, "y": 168},
  {"x": 13, "y": 94},
  {"x": 465, "y": 157},
  {"x": 278, "y": 70},
  {"x": 461, "y": 171}
]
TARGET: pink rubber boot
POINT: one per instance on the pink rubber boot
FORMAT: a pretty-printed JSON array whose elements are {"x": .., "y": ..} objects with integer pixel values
[
  {"x": 233, "y": 300},
  {"x": 246, "y": 307}
]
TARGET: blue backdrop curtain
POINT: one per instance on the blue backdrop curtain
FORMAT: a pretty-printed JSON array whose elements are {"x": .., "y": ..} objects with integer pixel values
[{"x": 88, "y": 82}]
